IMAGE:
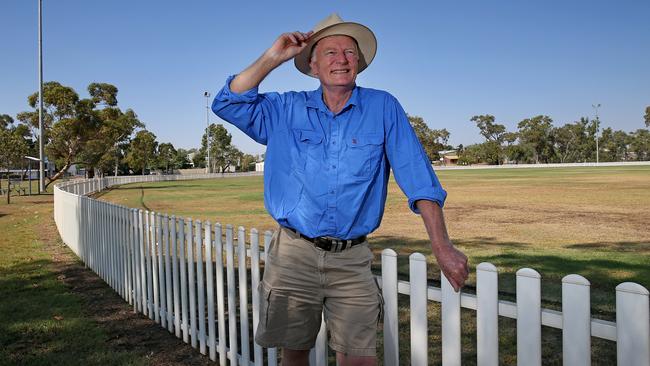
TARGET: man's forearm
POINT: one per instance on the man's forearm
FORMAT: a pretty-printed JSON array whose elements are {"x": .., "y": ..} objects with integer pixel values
[
  {"x": 452, "y": 262},
  {"x": 253, "y": 75},
  {"x": 434, "y": 222}
]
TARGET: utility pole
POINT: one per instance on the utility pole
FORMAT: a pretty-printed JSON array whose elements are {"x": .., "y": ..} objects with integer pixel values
[
  {"x": 41, "y": 153},
  {"x": 208, "y": 168},
  {"x": 596, "y": 106}
]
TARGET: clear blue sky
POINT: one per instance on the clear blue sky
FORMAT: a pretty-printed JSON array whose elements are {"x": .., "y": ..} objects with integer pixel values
[{"x": 444, "y": 61}]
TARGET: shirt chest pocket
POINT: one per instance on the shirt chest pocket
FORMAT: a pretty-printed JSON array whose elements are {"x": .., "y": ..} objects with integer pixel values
[
  {"x": 364, "y": 153},
  {"x": 310, "y": 149}
]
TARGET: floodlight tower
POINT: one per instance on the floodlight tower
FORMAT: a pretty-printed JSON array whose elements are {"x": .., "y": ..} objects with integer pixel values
[
  {"x": 208, "y": 168},
  {"x": 41, "y": 153},
  {"x": 596, "y": 106}
]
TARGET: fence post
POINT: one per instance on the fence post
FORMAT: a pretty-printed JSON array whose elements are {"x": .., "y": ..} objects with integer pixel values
[
  {"x": 487, "y": 315},
  {"x": 243, "y": 296},
  {"x": 419, "y": 337},
  {"x": 389, "y": 292},
  {"x": 576, "y": 321},
  {"x": 632, "y": 325},
  {"x": 529, "y": 318},
  {"x": 154, "y": 265}
]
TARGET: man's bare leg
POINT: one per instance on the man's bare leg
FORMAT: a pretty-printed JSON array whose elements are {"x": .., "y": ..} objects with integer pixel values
[
  {"x": 344, "y": 360},
  {"x": 292, "y": 357}
]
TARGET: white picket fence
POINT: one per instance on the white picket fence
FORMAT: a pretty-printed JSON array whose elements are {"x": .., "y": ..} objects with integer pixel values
[{"x": 183, "y": 274}]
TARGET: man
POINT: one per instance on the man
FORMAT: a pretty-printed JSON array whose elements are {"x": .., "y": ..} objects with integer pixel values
[{"x": 328, "y": 159}]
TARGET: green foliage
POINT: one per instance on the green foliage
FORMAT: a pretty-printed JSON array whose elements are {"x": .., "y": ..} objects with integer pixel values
[
  {"x": 640, "y": 144},
  {"x": 495, "y": 134},
  {"x": 223, "y": 154},
  {"x": 536, "y": 133},
  {"x": 646, "y": 117},
  {"x": 143, "y": 151},
  {"x": 167, "y": 155},
  {"x": 432, "y": 140}
]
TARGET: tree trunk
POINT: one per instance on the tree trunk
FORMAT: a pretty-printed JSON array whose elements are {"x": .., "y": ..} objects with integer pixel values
[{"x": 58, "y": 175}]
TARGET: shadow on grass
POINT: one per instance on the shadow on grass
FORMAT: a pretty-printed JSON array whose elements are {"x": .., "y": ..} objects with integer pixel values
[
  {"x": 41, "y": 322},
  {"x": 624, "y": 246}
]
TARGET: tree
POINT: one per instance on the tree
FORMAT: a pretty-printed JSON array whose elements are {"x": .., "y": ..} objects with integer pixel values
[
  {"x": 12, "y": 150},
  {"x": 432, "y": 140},
  {"x": 536, "y": 133},
  {"x": 222, "y": 153},
  {"x": 142, "y": 151},
  {"x": 181, "y": 160},
  {"x": 494, "y": 133},
  {"x": 106, "y": 148},
  {"x": 647, "y": 116},
  {"x": 167, "y": 155},
  {"x": 73, "y": 126},
  {"x": 640, "y": 144},
  {"x": 247, "y": 163}
]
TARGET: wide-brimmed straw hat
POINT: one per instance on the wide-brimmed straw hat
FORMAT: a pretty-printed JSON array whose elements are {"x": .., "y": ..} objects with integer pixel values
[{"x": 333, "y": 25}]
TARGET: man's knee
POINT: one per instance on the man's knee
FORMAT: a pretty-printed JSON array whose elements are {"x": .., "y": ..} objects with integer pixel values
[
  {"x": 292, "y": 357},
  {"x": 344, "y": 360}
]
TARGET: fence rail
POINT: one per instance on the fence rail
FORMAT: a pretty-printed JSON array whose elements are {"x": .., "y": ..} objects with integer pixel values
[{"x": 198, "y": 280}]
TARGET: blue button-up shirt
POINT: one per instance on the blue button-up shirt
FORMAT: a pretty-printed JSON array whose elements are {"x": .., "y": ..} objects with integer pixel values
[{"x": 326, "y": 174}]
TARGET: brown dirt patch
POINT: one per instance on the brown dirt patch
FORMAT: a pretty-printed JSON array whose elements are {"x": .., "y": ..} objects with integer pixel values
[{"x": 125, "y": 329}]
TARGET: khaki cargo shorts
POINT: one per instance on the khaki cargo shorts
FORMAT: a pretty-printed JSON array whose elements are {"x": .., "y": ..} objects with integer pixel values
[{"x": 301, "y": 282}]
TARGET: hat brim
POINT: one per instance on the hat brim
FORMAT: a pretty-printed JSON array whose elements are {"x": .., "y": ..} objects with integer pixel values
[{"x": 362, "y": 34}]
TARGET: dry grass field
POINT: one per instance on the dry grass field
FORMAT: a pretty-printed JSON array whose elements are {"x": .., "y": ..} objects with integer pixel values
[{"x": 588, "y": 221}]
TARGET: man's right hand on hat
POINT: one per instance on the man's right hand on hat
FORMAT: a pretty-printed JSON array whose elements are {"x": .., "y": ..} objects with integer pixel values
[{"x": 288, "y": 45}]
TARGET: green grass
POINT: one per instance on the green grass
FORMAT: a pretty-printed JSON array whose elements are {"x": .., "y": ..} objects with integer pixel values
[{"x": 41, "y": 321}]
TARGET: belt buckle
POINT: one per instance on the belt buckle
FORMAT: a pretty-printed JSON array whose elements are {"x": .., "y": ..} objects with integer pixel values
[{"x": 336, "y": 245}]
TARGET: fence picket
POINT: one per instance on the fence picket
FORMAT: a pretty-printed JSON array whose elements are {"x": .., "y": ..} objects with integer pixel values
[
  {"x": 142, "y": 267},
  {"x": 181, "y": 250},
  {"x": 162, "y": 296},
  {"x": 154, "y": 265},
  {"x": 221, "y": 309},
  {"x": 487, "y": 315},
  {"x": 529, "y": 318},
  {"x": 168, "y": 275},
  {"x": 389, "y": 292},
  {"x": 258, "y": 354},
  {"x": 175, "y": 277},
  {"x": 419, "y": 337},
  {"x": 200, "y": 286},
  {"x": 576, "y": 321},
  {"x": 633, "y": 325},
  {"x": 450, "y": 310},
  {"x": 272, "y": 353},
  {"x": 210, "y": 290},
  {"x": 232, "y": 301},
  {"x": 243, "y": 296},
  {"x": 191, "y": 283}
]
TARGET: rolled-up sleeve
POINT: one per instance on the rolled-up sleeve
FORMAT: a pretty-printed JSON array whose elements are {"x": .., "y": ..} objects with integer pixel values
[
  {"x": 252, "y": 112},
  {"x": 411, "y": 166}
]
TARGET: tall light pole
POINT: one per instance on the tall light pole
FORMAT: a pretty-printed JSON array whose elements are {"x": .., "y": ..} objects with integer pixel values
[
  {"x": 41, "y": 154},
  {"x": 596, "y": 106},
  {"x": 208, "y": 168}
]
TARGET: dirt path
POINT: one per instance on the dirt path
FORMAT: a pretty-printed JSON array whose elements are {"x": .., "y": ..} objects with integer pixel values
[{"x": 126, "y": 331}]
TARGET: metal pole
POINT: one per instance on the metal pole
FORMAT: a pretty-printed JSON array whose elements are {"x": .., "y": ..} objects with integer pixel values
[
  {"x": 41, "y": 155},
  {"x": 208, "y": 168},
  {"x": 596, "y": 106}
]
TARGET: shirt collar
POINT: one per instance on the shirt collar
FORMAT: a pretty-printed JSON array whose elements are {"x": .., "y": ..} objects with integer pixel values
[{"x": 315, "y": 100}]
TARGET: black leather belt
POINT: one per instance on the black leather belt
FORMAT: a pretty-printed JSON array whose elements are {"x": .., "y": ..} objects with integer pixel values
[{"x": 330, "y": 244}]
